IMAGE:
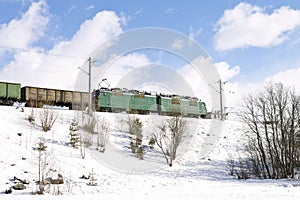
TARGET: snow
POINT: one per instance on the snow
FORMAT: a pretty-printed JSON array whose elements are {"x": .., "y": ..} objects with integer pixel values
[
  {"x": 19, "y": 104},
  {"x": 56, "y": 107},
  {"x": 199, "y": 172}
]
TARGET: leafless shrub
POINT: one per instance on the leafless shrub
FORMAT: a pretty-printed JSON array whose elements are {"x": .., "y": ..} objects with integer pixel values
[
  {"x": 169, "y": 137},
  {"x": 86, "y": 132},
  {"x": 42, "y": 161},
  {"x": 31, "y": 117},
  {"x": 89, "y": 123},
  {"x": 231, "y": 165},
  {"x": 242, "y": 170},
  {"x": 85, "y": 142},
  {"x": 69, "y": 186},
  {"x": 47, "y": 119},
  {"x": 102, "y": 134},
  {"x": 56, "y": 190}
]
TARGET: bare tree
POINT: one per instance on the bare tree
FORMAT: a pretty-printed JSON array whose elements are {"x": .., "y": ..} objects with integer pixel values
[
  {"x": 231, "y": 165},
  {"x": 102, "y": 134},
  {"x": 273, "y": 117},
  {"x": 85, "y": 142},
  {"x": 83, "y": 145},
  {"x": 42, "y": 155},
  {"x": 169, "y": 137},
  {"x": 89, "y": 123},
  {"x": 86, "y": 132},
  {"x": 31, "y": 117},
  {"x": 47, "y": 119}
]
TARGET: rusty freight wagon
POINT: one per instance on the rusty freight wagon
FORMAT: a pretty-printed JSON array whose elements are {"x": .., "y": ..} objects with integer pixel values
[{"x": 37, "y": 97}]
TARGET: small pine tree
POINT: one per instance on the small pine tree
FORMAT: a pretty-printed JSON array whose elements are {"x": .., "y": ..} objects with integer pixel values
[
  {"x": 152, "y": 142},
  {"x": 92, "y": 179},
  {"x": 74, "y": 135},
  {"x": 135, "y": 129},
  {"x": 135, "y": 126},
  {"x": 140, "y": 152}
]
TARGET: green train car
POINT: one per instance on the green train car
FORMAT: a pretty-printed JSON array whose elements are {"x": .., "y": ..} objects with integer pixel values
[
  {"x": 117, "y": 100},
  {"x": 133, "y": 101},
  {"x": 185, "y": 106},
  {"x": 9, "y": 93}
]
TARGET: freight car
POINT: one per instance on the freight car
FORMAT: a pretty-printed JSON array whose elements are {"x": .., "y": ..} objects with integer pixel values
[
  {"x": 37, "y": 97},
  {"x": 9, "y": 93},
  {"x": 133, "y": 101}
]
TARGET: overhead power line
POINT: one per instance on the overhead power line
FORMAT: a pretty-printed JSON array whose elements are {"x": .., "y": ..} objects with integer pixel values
[
  {"x": 42, "y": 53},
  {"x": 33, "y": 63},
  {"x": 9, "y": 59}
]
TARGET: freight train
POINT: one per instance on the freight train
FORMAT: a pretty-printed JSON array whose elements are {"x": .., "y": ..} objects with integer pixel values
[
  {"x": 104, "y": 99},
  {"x": 37, "y": 97}
]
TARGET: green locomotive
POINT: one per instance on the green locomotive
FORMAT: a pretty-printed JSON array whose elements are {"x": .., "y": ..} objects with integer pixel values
[{"x": 134, "y": 101}]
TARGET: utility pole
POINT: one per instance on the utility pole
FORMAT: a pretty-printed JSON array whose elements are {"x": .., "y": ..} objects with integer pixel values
[
  {"x": 221, "y": 99},
  {"x": 90, "y": 85},
  {"x": 220, "y": 92}
]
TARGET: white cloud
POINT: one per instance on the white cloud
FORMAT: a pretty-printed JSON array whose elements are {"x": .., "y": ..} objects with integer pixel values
[
  {"x": 193, "y": 34},
  {"x": 246, "y": 25},
  {"x": 205, "y": 85},
  {"x": 91, "y": 33},
  {"x": 72, "y": 8},
  {"x": 22, "y": 33},
  {"x": 231, "y": 90},
  {"x": 169, "y": 10},
  {"x": 124, "y": 18},
  {"x": 58, "y": 67},
  {"x": 289, "y": 78},
  {"x": 227, "y": 72},
  {"x": 121, "y": 71},
  {"x": 90, "y": 7},
  {"x": 177, "y": 44},
  {"x": 139, "y": 11},
  {"x": 195, "y": 80},
  {"x": 235, "y": 91}
]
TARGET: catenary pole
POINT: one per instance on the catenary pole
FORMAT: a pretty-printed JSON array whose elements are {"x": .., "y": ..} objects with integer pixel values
[
  {"x": 90, "y": 84},
  {"x": 221, "y": 99}
]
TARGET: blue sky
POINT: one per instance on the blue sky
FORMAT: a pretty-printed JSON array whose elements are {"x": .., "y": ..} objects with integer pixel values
[{"x": 251, "y": 40}]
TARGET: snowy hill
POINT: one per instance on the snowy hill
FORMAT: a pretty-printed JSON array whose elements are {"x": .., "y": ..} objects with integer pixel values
[{"x": 199, "y": 172}]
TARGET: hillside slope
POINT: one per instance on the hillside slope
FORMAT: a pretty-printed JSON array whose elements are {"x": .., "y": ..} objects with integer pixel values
[{"x": 200, "y": 171}]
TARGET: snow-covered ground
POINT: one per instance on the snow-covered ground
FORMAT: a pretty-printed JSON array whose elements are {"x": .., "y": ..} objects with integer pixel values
[{"x": 199, "y": 172}]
